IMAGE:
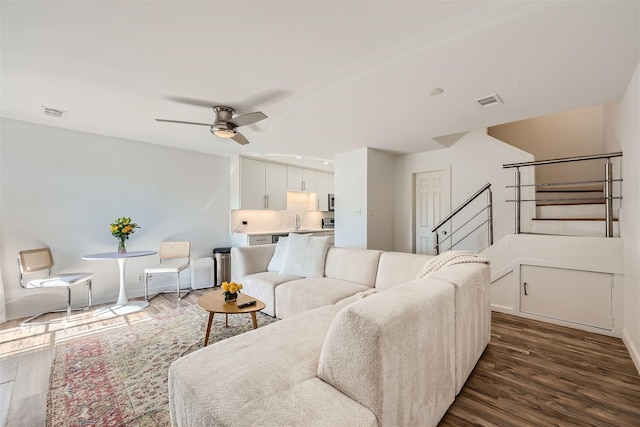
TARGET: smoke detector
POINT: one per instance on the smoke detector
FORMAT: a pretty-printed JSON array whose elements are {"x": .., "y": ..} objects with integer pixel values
[
  {"x": 53, "y": 112},
  {"x": 489, "y": 101}
]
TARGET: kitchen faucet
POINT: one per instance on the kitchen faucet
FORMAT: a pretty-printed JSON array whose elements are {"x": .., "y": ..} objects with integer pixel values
[{"x": 298, "y": 222}]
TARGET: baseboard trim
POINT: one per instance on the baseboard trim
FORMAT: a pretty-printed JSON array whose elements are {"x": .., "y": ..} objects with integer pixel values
[{"x": 633, "y": 350}]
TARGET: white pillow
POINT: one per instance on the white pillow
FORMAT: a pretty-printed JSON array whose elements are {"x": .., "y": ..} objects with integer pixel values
[
  {"x": 276, "y": 260},
  {"x": 305, "y": 255}
]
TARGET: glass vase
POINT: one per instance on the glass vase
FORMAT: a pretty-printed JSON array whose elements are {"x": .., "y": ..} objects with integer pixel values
[
  {"x": 122, "y": 248},
  {"x": 229, "y": 297}
]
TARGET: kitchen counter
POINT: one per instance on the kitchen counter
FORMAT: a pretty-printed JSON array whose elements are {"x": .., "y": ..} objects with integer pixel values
[
  {"x": 251, "y": 238},
  {"x": 278, "y": 232}
]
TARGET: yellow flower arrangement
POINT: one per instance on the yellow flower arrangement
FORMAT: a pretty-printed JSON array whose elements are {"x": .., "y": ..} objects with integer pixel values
[
  {"x": 230, "y": 290},
  {"x": 121, "y": 228}
]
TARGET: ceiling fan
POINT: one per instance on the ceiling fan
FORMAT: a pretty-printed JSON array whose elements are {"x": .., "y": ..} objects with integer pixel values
[{"x": 225, "y": 125}]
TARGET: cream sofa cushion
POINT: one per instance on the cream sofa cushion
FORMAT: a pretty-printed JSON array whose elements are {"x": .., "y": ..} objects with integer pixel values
[
  {"x": 265, "y": 377},
  {"x": 352, "y": 265},
  {"x": 249, "y": 260},
  {"x": 275, "y": 264},
  {"x": 304, "y": 255},
  {"x": 263, "y": 287},
  {"x": 473, "y": 313},
  {"x": 306, "y": 294},
  {"x": 398, "y": 267},
  {"x": 393, "y": 352}
]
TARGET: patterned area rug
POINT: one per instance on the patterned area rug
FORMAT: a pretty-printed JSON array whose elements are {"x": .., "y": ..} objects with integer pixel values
[{"x": 119, "y": 378}]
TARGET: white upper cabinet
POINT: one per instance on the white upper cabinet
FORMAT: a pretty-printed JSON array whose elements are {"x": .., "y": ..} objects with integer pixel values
[
  {"x": 323, "y": 189},
  {"x": 263, "y": 185},
  {"x": 294, "y": 178},
  {"x": 310, "y": 180},
  {"x": 276, "y": 186},
  {"x": 299, "y": 179}
]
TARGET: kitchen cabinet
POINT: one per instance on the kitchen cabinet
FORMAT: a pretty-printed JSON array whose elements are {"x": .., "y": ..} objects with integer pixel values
[
  {"x": 263, "y": 185},
  {"x": 323, "y": 189},
  {"x": 582, "y": 297},
  {"x": 252, "y": 239},
  {"x": 241, "y": 239},
  {"x": 299, "y": 179},
  {"x": 319, "y": 201}
]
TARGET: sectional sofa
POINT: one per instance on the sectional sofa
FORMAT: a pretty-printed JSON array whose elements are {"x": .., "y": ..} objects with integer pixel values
[{"x": 368, "y": 338}]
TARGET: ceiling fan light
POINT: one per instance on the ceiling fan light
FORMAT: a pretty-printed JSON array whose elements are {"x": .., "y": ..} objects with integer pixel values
[{"x": 224, "y": 133}]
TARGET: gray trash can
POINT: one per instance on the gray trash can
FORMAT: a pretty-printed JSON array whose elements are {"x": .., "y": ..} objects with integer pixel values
[{"x": 222, "y": 265}]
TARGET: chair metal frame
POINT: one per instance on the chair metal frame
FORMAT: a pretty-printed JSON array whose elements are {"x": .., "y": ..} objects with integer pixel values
[
  {"x": 39, "y": 260},
  {"x": 169, "y": 250}
]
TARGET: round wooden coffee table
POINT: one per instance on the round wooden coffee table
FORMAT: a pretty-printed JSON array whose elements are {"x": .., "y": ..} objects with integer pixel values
[{"x": 214, "y": 302}]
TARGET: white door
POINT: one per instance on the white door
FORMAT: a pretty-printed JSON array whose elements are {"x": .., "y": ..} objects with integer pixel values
[{"x": 433, "y": 202}]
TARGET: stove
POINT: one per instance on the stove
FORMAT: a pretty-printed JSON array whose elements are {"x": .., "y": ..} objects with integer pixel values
[{"x": 328, "y": 223}]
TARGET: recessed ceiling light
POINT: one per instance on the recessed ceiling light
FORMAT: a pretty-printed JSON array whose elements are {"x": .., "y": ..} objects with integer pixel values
[
  {"x": 435, "y": 92},
  {"x": 326, "y": 163},
  {"x": 298, "y": 157}
]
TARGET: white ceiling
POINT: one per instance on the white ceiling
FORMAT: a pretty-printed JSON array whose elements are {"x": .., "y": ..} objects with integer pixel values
[{"x": 332, "y": 76}]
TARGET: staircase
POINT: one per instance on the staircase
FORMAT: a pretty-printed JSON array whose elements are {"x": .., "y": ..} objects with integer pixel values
[
  {"x": 564, "y": 263},
  {"x": 572, "y": 211},
  {"x": 580, "y": 208}
]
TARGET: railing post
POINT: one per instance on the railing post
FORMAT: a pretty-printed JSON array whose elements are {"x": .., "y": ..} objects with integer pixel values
[
  {"x": 517, "y": 200},
  {"x": 608, "y": 196},
  {"x": 490, "y": 214},
  {"x": 436, "y": 246}
]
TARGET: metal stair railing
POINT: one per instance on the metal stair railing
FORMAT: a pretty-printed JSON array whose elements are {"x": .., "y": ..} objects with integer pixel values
[
  {"x": 489, "y": 221},
  {"x": 607, "y": 181}
]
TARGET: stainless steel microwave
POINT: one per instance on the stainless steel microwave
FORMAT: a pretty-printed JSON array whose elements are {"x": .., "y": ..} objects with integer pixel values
[{"x": 331, "y": 202}]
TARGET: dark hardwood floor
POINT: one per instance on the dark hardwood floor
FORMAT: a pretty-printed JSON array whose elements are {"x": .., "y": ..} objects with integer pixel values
[
  {"x": 531, "y": 374},
  {"x": 538, "y": 374}
]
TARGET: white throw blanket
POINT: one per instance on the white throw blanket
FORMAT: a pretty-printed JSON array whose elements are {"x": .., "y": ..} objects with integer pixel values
[{"x": 449, "y": 258}]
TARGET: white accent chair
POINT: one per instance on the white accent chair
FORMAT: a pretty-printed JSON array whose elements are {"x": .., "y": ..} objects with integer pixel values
[
  {"x": 35, "y": 262},
  {"x": 174, "y": 258}
]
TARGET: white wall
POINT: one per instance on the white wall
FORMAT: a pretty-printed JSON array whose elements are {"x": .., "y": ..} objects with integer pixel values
[
  {"x": 475, "y": 159},
  {"x": 351, "y": 199},
  {"x": 364, "y": 186},
  {"x": 623, "y": 133},
  {"x": 570, "y": 133},
  {"x": 380, "y": 209},
  {"x": 63, "y": 188}
]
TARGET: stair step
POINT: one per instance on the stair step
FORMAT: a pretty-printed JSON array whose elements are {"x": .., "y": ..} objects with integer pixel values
[
  {"x": 569, "y": 198},
  {"x": 587, "y": 210},
  {"x": 594, "y": 227},
  {"x": 578, "y": 188},
  {"x": 571, "y": 219}
]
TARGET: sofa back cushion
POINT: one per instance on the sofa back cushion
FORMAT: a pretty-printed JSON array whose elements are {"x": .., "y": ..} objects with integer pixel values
[
  {"x": 304, "y": 255},
  {"x": 398, "y": 267},
  {"x": 275, "y": 264},
  {"x": 353, "y": 265},
  {"x": 393, "y": 352},
  {"x": 472, "y": 282},
  {"x": 246, "y": 260}
]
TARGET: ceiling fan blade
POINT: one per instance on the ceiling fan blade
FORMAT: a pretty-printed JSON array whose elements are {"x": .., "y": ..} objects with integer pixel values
[
  {"x": 193, "y": 101},
  {"x": 247, "y": 119},
  {"x": 263, "y": 98},
  {"x": 184, "y": 123},
  {"x": 240, "y": 139}
]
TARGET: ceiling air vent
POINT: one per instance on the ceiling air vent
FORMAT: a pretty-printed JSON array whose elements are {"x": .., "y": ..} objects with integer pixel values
[
  {"x": 53, "y": 112},
  {"x": 489, "y": 101}
]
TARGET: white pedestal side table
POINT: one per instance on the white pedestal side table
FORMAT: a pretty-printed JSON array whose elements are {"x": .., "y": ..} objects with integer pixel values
[{"x": 122, "y": 306}]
